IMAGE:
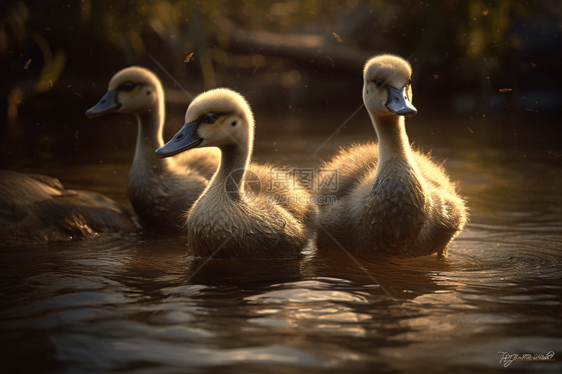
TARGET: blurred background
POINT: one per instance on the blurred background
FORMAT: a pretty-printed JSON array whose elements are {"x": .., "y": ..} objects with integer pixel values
[{"x": 486, "y": 76}]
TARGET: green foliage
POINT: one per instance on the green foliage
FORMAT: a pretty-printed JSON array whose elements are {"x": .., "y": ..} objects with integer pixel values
[{"x": 487, "y": 24}]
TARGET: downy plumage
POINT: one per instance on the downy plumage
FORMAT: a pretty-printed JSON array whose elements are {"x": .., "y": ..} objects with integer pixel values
[{"x": 391, "y": 199}]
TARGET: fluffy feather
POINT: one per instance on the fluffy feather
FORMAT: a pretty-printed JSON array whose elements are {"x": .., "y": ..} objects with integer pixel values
[
  {"x": 160, "y": 190},
  {"x": 239, "y": 212},
  {"x": 391, "y": 199}
]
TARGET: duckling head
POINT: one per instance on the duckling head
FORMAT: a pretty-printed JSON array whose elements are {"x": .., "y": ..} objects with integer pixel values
[
  {"x": 133, "y": 90},
  {"x": 387, "y": 88},
  {"x": 216, "y": 118}
]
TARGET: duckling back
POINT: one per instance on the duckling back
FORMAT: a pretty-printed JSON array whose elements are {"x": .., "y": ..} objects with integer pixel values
[{"x": 36, "y": 209}]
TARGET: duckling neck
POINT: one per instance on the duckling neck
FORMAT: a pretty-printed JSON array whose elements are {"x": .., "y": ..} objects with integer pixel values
[
  {"x": 149, "y": 138},
  {"x": 232, "y": 169},
  {"x": 398, "y": 201},
  {"x": 394, "y": 145},
  {"x": 395, "y": 159}
]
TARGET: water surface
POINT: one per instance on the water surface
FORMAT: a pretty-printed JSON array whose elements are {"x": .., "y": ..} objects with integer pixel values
[{"x": 139, "y": 304}]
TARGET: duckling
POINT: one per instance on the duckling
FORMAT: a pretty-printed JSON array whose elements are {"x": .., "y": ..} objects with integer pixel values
[
  {"x": 247, "y": 210},
  {"x": 159, "y": 190},
  {"x": 391, "y": 200},
  {"x": 36, "y": 209}
]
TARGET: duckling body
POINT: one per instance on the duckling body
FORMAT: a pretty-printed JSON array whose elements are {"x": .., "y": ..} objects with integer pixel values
[
  {"x": 259, "y": 228},
  {"x": 247, "y": 210},
  {"x": 391, "y": 200},
  {"x": 160, "y": 190},
  {"x": 36, "y": 209}
]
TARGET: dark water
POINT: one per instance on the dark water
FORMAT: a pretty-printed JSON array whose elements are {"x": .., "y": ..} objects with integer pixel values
[{"x": 142, "y": 305}]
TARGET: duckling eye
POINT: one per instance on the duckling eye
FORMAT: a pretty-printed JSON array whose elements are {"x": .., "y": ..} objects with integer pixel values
[
  {"x": 409, "y": 81},
  {"x": 128, "y": 86},
  {"x": 210, "y": 118},
  {"x": 378, "y": 83}
]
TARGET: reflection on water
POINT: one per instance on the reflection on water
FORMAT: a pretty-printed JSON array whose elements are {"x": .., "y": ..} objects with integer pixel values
[
  {"x": 113, "y": 303},
  {"x": 137, "y": 304}
]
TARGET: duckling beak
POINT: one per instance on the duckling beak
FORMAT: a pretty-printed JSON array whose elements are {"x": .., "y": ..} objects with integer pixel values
[
  {"x": 399, "y": 103},
  {"x": 107, "y": 104},
  {"x": 185, "y": 139}
]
